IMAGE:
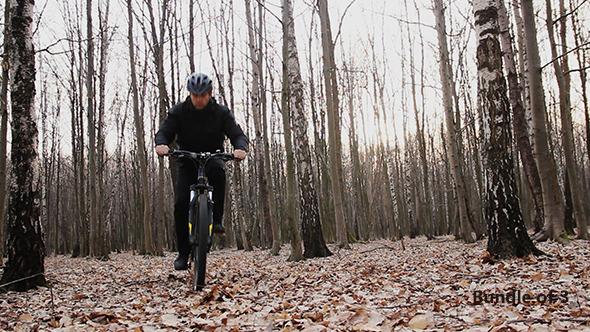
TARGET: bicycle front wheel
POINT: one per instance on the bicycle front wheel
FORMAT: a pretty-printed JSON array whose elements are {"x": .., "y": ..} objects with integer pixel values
[{"x": 203, "y": 240}]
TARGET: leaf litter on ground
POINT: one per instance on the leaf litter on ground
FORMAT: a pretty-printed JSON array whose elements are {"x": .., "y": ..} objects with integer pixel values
[{"x": 374, "y": 286}]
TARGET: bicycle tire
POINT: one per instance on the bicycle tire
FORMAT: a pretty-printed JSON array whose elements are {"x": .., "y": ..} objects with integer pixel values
[
  {"x": 191, "y": 221},
  {"x": 193, "y": 231},
  {"x": 203, "y": 240}
]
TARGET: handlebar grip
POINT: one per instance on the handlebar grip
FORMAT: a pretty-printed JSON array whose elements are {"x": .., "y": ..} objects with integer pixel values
[{"x": 227, "y": 157}]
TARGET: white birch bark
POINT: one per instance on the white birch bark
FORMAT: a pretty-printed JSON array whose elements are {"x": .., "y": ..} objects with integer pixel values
[
  {"x": 25, "y": 247},
  {"x": 507, "y": 234},
  {"x": 311, "y": 227}
]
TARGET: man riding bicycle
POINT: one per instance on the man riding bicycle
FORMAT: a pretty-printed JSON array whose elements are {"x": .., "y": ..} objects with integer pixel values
[{"x": 199, "y": 124}]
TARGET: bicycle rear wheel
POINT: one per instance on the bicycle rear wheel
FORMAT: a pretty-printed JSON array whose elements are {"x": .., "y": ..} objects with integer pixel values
[{"x": 203, "y": 240}]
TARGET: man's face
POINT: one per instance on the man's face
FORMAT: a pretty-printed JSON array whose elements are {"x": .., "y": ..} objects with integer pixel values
[{"x": 200, "y": 101}]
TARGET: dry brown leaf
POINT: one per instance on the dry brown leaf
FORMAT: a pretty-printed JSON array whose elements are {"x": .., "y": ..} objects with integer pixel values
[
  {"x": 487, "y": 258},
  {"x": 25, "y": 318},
  {"x": 420, "y": 322},
  {"x": 314, "y": 316},
  {"x": 102, "y": 317}
]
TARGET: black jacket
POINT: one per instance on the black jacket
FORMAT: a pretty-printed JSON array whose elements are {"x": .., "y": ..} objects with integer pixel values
[{"x": 201, "y": 131}]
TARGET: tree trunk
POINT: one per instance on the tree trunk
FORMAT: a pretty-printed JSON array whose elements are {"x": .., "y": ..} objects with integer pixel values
[
  {"x": 320, "y": 152},
  {"x": 583, "y": 64},
  {"x": 158, "y": 53},
  {"x": 521, "y": 130},
  {"x": 80, "y": 229},
  {"x": 145, "y": 215},
  {"x": 59, "y": 226},
  {"x": 424, "y": 190},
  {"x": 311, "y": 227},
  {"x": 191, "y": 36},
  {"x": 552, "y": 196},
  {"x": 95, "y": 236},
  {"x": 334, "y": 140},
  {"x": 291, "y": 196},
  {"x": 465, "y": 219},
  {"x": 507, "y": 234},
  {"x": 273, "y": 222},
  {"x": 105, "y": 39},
  {"x": 4, "y": 126},
  {"x": 257, "y": 106},
  {"x": 361, "y": 201},
  {"x": 567, "y": 132},
  {"x": 26, "y": 250},
  {"x": 84, "y": 167}
]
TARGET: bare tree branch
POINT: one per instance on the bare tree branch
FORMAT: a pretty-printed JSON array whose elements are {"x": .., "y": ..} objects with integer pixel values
[
  {"x": 565, "y": 54},
  {"x": 342, "y": 20}
]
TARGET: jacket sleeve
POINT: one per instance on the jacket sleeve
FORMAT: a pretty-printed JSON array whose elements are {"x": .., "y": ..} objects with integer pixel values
[
  {"x": 232, "y": 130},
  {"x": 168, "y": 129}
]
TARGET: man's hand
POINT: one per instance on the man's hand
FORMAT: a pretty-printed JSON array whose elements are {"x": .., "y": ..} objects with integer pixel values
[
  {"x": 240, "y": 154},
  {"x": 162, "y": 149}
]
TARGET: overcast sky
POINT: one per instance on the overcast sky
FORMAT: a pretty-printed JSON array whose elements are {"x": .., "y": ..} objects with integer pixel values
[{"x": 385, "y": 24}]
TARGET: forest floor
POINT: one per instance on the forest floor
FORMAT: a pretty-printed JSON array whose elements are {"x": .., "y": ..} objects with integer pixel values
[{"x": 375, "y": 286}]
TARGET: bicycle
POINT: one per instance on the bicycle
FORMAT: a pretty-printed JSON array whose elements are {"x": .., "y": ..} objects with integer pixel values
[{"x": 200, "y": 217}]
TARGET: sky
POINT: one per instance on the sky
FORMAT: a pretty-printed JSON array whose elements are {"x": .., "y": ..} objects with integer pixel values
[{"x": 390, "y": 26}]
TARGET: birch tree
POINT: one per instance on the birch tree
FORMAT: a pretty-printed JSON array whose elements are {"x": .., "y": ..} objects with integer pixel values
[
  {"x": 105, "y": 36},
  {"x": 520, "y": 123},
  {"x": 291, "y": 197},
  {"x": 507, "y": 234},
  {"x": 26, "y": 250},
  {"x": 455, "y": 159},
  {"x": 423, "y": 198},
  {"x": 258, "y": 104},
  {"x": 334, "y": 139},
  {"x": 320, "y": 148},
  {"x": 360, "y": 196},
  {"x": 560, "y": 64},
  {"x": 313, "y": 238},
  {"x": 553, "y": 205}
]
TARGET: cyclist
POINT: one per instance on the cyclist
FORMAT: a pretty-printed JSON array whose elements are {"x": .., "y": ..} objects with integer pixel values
[{"x": 199, "y": 124}]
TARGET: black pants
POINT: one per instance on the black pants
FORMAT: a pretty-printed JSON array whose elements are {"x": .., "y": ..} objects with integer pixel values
[{"x": 187, "y": 175}]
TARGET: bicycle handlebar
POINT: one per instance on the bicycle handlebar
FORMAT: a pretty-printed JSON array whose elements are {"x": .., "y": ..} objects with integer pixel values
[{"x": 201, "y": 156}]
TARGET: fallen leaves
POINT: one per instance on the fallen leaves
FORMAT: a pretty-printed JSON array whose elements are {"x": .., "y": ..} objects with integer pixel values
[
  {"x": 102, "y": 317},
  {"x": 25, "y": 318},
  {"x": 420, "y": 322},
  {"x": 169, "y": 320},
  {"x": 372, "y": 287}
]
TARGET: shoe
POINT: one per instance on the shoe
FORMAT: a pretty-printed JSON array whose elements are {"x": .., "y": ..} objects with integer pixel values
[
  {"x": 181, "y": 263},
  {"x": 218, "y": 229}
]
